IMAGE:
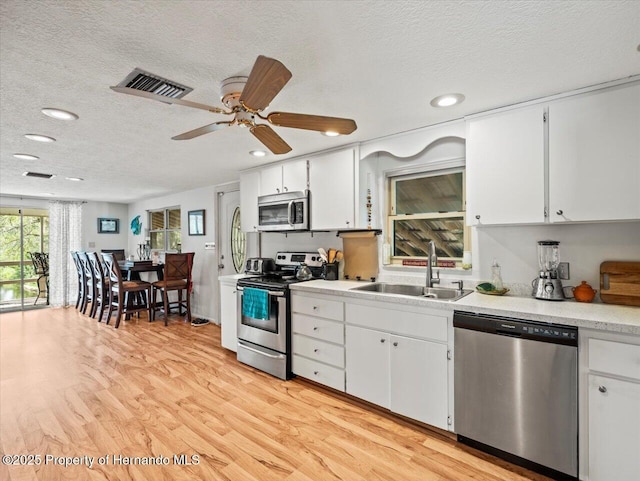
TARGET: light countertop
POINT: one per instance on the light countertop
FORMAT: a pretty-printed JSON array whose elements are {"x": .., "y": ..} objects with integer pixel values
[{"x": 607, "y": 317}]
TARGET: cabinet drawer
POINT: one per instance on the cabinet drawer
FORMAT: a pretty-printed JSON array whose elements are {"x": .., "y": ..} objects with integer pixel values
[
  {"x": 314, "y": 306},
  {"x": 424, "y": 325},
  {"x": 318, "y": 350},
  {"x": 616, "y": 358},
  {"x": 319, "y": 328},
  {"x": 318, "y": 372}
]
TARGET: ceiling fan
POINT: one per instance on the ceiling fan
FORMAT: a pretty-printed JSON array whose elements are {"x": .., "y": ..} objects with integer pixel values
[{"x": 244, "y": 98}]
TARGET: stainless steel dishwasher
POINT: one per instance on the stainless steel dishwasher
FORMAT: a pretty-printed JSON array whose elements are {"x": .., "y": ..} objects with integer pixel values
[{"x": 516, "y": 391}]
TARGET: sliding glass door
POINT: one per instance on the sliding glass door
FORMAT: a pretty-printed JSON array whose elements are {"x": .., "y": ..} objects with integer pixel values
[{"x": 24, "y": 234}]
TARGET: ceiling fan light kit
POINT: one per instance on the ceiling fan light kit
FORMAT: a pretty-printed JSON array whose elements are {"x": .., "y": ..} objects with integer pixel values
[{"x": 244, "y": 98}]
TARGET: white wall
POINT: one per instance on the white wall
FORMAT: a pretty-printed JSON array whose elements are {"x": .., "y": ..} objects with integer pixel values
[
  {"x": 91, "y": 239},
  {"x": 205, "y": 273},
  {"x": 11, "y": 201},
  {"x": 298, "y": 242}
]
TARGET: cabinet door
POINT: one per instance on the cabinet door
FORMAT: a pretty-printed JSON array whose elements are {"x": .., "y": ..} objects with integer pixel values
[
  {"x": 419, "y": 380},
  {"x": 332, "y": 191},
  {"x": 229, "y": 317},
  {"x": 367, "y": 360},
  {"x": 271, "y": 180},
  {"x": 505, "y": 168},
  {"x": 249, "y": 191},
  {"x": 294, "y": 176},
  {"x": 594, "y": 156},
  {"x": 614, "y": 429}
]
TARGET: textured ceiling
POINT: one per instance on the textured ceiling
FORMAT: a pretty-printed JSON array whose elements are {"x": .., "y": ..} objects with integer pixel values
[{"x": 378, "y": 62}]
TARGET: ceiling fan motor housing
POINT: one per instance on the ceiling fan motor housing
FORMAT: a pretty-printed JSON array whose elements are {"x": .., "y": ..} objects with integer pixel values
[{"x": 230, "y": 91}]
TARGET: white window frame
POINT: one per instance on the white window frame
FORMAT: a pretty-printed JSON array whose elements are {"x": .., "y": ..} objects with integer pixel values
[
  {"x": 436, "y": 169},
  {"x": 166, "y": 229}
]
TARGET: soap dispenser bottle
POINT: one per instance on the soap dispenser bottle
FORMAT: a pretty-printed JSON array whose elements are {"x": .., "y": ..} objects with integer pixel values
[{"x": 496, "y": 276}]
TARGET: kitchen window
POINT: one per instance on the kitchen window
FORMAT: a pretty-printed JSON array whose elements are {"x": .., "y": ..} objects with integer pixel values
[
  {"x": 424, "y": 207},
  {"x": 164, "y": 229}
]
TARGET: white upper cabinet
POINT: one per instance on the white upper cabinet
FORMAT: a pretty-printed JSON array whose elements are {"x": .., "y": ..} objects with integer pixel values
[
  {"x": 288, "y": 177},
  {"x": 505, "y": 167},
  {"x": 332, "y": 190},
  {"x": 594, "y": 156},
  {"x": 249, "y": 191}
]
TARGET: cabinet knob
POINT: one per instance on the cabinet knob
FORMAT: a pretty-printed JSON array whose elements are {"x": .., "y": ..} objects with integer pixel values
[
  {"x": 315, "y": 328},
  {"x": 382, "y": 341},
  {"x": 559, "y": 212},
  {"x": 478, "y": 217},
  {"x": 347, "y": 222},
  {"x": 315, "y": 373},
  {"x": 235, "y": 292},
  {"x": 286, "y": 189},
  {"x": 602, "y": 389},
  {"x": 315, "y": 350},
  {"x": 395, "y": 344},
  {"x": 315, "y": 308},
  {"x": 277, "y": 190}
]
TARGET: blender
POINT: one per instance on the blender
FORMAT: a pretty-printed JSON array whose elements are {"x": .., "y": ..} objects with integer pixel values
[{"x": 547, "y": 286}]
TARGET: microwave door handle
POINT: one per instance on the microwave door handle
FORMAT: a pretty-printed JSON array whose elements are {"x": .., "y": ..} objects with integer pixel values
[{"x": 290, "y": 213}]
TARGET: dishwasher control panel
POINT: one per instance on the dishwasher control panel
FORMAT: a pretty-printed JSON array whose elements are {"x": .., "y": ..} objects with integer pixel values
[{"x": 537, "y": 331}]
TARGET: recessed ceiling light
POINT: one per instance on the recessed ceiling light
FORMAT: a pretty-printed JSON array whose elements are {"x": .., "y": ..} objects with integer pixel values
[
  {"x": 258, "y": 153},
  {"x": 330, "y": 133},
  {"x": 75, "y": 179},
  {"x": 447, "y": 100},
  {"x": 26, "y": 156},
  {"x": 39, "y": 138},
  {"x": 59, "y": 114}
]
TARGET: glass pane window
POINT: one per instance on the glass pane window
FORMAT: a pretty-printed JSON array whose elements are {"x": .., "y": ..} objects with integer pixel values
[
  {"x": 165, "y": 232},
  {"x": 428, "y": 207}
]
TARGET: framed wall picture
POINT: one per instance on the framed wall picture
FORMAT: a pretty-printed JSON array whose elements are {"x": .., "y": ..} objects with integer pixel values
[
  {"x": 108, "y": 226},
  {"x": 196, "y": 222}
]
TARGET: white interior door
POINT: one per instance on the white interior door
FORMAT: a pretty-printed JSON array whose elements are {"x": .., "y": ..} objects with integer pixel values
[{"x": 231, "y": 241}]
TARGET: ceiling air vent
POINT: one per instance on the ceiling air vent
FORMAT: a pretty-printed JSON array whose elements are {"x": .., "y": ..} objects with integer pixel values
[
  {"x": 140, "y": 80},
  {"x": 38, "y": 175}
]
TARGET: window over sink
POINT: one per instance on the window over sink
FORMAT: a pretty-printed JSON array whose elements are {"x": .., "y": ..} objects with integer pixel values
[{"x": 428, "y": 206}]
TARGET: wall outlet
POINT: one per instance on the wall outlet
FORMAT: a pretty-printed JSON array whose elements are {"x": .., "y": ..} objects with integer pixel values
[
  {"x": 563, "y": 271},
  {"x": 209, "y": 246}
]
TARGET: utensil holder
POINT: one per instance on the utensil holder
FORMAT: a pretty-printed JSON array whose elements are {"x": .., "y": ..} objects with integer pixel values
[{"x": 330, "y": 272}]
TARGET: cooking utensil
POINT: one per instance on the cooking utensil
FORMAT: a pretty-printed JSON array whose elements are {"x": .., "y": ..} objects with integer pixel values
[
  {"x": 323, "y": 254},
  {"x": 620, "y": 283},
  {"x": 339, "y": 256},
  {"x": 332, "y": 255}
]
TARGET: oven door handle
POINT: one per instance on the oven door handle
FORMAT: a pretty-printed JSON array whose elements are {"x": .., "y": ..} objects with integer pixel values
[
  {"x": 257, "y": 351},
  {"x": 271, "y": 293}
]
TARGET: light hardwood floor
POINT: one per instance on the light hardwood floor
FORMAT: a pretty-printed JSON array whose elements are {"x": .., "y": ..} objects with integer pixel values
[{"x": 70, "y": 387}]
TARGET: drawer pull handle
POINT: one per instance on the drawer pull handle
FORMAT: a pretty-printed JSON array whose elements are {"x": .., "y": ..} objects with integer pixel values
[
  {"x": 602, "y": 389},
  {"x": 315, "y": 373},
  {"x": 315, "y": 350},
  {"x": 315, "y": 308},
  {"x": 315, "y": 328}
]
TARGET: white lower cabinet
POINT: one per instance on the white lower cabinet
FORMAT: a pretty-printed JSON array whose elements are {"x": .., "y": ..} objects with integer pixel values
[
  {"x": 390, "y": 367},
  {"x": 611, "y": 418},
  {"x": 614, "y": 429},
  {"x": 317, "y": 342},
  {"x": 228, "y": 316}
]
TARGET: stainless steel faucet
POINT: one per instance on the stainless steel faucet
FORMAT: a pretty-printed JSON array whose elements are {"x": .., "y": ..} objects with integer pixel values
[{"x": 432, "y": 261}]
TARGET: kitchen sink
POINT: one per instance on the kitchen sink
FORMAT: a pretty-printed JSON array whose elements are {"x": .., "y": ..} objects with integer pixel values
[{"x": 441, "y": 293}]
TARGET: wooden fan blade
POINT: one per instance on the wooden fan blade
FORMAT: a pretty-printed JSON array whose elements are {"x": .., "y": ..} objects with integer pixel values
[
  {"x": 266, "y": 79},
  {"x": 168, "y": 100},
  {"x": 312, "y": 122},
  {"x": 201, "y": 131},
  {"x": 270, "y": 139}
]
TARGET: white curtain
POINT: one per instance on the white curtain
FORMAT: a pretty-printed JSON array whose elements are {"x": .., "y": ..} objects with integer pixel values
[{"x": 65, "y": 235}]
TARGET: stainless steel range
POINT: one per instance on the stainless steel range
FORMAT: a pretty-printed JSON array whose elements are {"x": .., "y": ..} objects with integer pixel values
[{"x": 264, "y": 313}]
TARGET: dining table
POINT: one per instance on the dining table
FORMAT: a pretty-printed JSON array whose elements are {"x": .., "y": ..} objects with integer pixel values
[{"x": 132, "y": 269}]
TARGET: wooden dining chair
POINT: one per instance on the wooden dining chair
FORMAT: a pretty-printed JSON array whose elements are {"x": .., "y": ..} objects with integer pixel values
[
  {"x": 118, "y": 254},
  {"x": 81, "y": 282},
  {"x": 177, "y": 277},
  {"x": 89, "y": 286},
  {"x": 40, "y": 261},
  {"x": 126, "y": 297},
  {"x": 101, "y": 284}
]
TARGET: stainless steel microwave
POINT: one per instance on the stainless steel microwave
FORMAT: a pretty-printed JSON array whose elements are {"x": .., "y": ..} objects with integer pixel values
[{"x": 283, "y": 212}]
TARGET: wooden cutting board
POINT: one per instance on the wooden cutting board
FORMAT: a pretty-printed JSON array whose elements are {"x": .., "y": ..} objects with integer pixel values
[{"x": 620, "y": 283}]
